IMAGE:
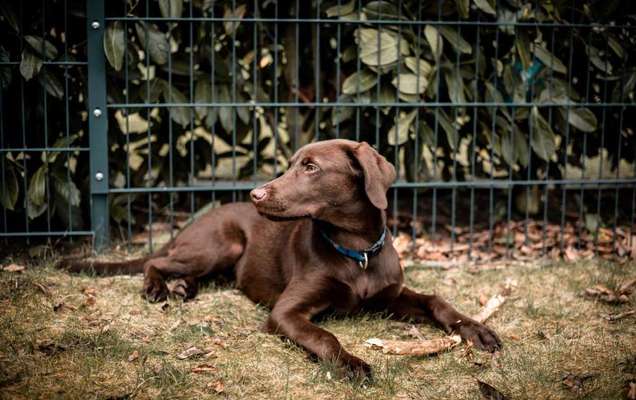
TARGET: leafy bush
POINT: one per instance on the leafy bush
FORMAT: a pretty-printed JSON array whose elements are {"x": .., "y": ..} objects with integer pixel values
[{"x": 540, "y": 68}]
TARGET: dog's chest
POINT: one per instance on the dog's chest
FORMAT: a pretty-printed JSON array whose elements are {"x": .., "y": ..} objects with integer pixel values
[{"x": 369, "y": 284}]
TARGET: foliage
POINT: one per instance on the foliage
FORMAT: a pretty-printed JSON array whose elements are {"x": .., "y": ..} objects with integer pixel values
[{"x": 536, "y": 66}]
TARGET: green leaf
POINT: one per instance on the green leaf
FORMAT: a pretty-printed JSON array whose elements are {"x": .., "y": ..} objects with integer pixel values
[
  {"x": 582, "y": 118},
  {"x": 36, "y": 192},
  {"x": 455, "y": 40},
  {"x": 485, "y": 6},
  {"x": 202, "y": 94},
  {"x": 521, "y": 147},
  {"x": 341, "y": 10},
  {"x": 225, "y": 113},
  {"x": 340, "y": 114},
  {"x": 595, "y": 57},
  {"x": 409, "y": 83},
  {"x": 616, "y": 46},
  {"x": 52, "y": 85},
  {"x": 427, "y": 134},
  {"x": 359, "y": 82},
  {"x": 399, "y": 133},
  {"x": 6, "y": 71},
  {"x": 35, "y": 210},
  {"x": 237, "y": 13},
  {"x": 434, "y": 40},
  {"x": 592, "y": 222},
  {"x": 180, "y": 115},
  {"x": 522, "y": 43},
  {"x": 30, "y": 64},
  {"x": 151, "y": 90},
  {"x": 114, "y": 44},
  {"x": 417, "y": 65},
  {"x": 66, "y": 188},
  {"x": 549, "y": 60},
  {"x": 9, "y": 15},
  {"x": 378, "y": 10},
  {"x": 455, "y": 85},
  {"x": 41, "y": 46},
  {"x": 9, "y": 190},
  {"x": 377, "y": 48},
  {"x": 451, "y": 132},
  {"x": 463, "y": 7},
  {"x": 154, "y": 42},
  {"x": 64, "y": 141},
  {"x": 508, "y": 148},
  {"x": 542, "y": 136},
  {"x": 171, "y": 8}
]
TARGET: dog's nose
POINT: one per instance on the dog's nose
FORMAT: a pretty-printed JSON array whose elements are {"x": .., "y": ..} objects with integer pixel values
[{"x": 258, "y": 194}]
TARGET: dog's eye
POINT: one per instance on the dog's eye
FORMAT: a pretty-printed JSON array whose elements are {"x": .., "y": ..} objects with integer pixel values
[{"x": 311, "y": 168}]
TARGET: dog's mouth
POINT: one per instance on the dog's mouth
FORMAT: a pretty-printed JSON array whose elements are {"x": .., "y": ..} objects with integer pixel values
[
  {"x": 276, "y": 211},
  {"x": 277, "y": 214}
]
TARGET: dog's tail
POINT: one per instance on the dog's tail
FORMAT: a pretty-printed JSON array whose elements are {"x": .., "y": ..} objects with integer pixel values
[
  {"x": 128, "y": 267},
  {"x": 106, "y": 268}
]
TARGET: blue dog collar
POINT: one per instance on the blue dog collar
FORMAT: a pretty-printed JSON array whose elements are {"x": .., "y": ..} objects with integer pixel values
[{"x": 361, "y": 256}]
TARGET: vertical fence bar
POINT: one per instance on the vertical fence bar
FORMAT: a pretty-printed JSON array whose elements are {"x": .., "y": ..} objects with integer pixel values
[{"x": 97, "y": 123}]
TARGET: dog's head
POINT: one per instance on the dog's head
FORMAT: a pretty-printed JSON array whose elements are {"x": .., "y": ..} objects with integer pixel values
[{"x": 326, "y": 175}]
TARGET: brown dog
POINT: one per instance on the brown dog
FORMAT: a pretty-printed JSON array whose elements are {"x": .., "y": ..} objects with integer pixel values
[{"x": 296, "y": 248}]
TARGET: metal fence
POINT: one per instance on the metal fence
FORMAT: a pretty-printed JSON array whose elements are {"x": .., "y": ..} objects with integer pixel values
[{"x": 499, "y": 127}]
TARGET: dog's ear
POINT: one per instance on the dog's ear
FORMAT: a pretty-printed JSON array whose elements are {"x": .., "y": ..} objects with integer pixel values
[{"x": 379, "y": 174}]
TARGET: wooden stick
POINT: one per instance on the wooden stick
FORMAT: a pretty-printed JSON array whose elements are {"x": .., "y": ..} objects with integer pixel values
[
  {"x": 436, "y": 345},
  {"x": 414, "y": 348}
]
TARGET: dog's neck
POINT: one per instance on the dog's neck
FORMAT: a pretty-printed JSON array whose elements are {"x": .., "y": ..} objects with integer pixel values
[{"x": 356, "y": 229}]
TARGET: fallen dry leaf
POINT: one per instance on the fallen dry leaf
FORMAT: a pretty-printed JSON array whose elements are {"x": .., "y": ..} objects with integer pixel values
[
  {"x": 618, "y": 316},
  {"x": 414, "y": 348},
  {"x": 58, "y": 307},
  {"x": 631, "y": 390},
  {"x": 43, "y": 288},
  {"x": 627, "y": 287},
  {"x": 489, "y": 392},
  {"x": 605, "y": 294},
  {"x": 204, "y": 369},
  {"x": 190, "y": 352},
  {"x": 575, "y": 382},
  {"x": 13, "y": 268},
  {"x": 90, "y": 300},
  {"x": 402, "y": 243},
  {"x": 50, "y": 348},
  {"x": 217, "y": 385},
  {"x": 133, "y": 356},
  {"x": 89, "y": 291}
]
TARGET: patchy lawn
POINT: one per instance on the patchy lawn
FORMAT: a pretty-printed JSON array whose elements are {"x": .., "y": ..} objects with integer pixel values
[{"x": 82, "y": 337}]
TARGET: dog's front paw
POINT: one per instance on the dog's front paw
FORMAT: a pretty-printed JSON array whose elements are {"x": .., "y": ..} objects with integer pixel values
[
  {"x": 155, "y": 290},
  {"x": 479, "y": 335},
  {"x": 185, "y": 288},
  {"x": 357, "y": 368}
]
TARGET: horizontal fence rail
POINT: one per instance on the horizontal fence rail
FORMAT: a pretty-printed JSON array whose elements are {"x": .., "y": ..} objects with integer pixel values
[{"x": 511, "y": 127}]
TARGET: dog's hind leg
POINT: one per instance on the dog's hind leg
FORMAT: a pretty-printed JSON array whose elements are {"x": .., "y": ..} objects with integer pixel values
[
  {"x": 186, "y": 265},
  {"x": 156, "y": 271}
]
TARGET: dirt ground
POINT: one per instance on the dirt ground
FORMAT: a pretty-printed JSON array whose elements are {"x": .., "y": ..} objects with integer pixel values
[{"x": 65, "y": 336}]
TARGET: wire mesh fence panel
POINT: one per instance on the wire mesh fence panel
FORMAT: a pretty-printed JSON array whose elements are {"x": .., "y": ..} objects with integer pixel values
[
  {"x": 43, "y": 129},
  {"x": 508, "y": 122}
]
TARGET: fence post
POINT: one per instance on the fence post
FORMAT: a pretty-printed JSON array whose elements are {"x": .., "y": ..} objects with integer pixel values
[{"x": 97, "y": 123}]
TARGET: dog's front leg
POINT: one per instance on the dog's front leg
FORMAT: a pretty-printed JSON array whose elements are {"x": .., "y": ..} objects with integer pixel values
[
  {"x": 291, "y": 317},
  {"x": 420, "y": 307}
]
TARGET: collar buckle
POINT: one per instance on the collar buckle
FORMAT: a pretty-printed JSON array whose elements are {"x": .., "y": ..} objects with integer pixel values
[{"x": 364, "y": 264}]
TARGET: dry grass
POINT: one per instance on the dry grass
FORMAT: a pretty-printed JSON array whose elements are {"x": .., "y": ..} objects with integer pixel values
[{"x": 82, "y": 337}]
